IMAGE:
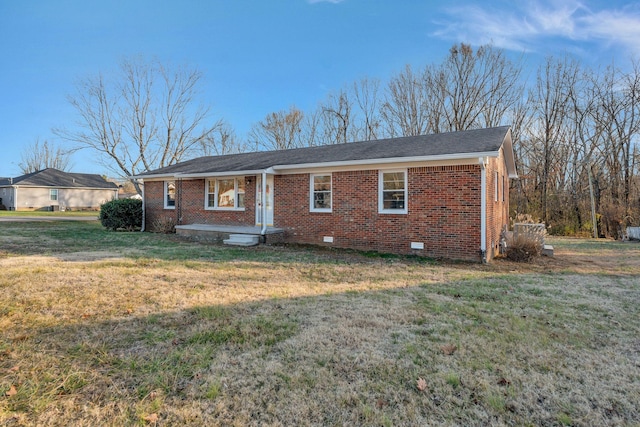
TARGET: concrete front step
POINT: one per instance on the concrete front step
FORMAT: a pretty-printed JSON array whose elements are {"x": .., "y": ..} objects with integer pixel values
[{"x": 242, "y": 240}]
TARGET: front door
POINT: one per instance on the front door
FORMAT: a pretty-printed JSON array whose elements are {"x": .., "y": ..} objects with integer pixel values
[{"x": 269, "y": 200}]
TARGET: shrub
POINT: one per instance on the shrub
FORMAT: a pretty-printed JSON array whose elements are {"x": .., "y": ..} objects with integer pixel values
[
  {"x": 523, "y": 247},
  {"x": 166, "y": 225},
  {"x": 121, "y": 214}
]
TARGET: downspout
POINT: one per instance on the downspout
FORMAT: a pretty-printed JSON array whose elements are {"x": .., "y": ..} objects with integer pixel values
[
  {"x": 483, "y": 210},
  {"x": 263, "y": 231}
]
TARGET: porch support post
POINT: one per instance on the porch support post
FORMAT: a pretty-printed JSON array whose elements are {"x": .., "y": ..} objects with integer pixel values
[
  {"x": 263, "y": 231},
  {"x": 144, "y": 210},
  {"x": 483, "y": 209}
]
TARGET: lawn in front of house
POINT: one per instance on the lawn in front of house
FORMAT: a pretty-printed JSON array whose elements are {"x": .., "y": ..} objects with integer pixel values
[
  {"x": 45, "y": 214},
  {"x": 137, "y": 328}
]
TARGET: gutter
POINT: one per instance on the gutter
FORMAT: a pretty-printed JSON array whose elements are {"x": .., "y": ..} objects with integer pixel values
[
  {"x": 483, "y": 209},
  {"x": 198, "y": 174},
  {"x": 374, "y": 162}
]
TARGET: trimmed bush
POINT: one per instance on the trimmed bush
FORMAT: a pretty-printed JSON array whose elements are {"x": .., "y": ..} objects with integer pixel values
[{"x": 121, "y": 214}]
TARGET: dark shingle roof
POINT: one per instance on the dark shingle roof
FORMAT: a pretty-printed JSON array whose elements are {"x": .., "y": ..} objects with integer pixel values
[
  {"x": 55, "y": 178},
  {"x": 443, "y": 144}
]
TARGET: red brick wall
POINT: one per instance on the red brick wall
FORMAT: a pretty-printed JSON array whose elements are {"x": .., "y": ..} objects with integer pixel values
[
  {"x": 497, "y": 211},
  {"x": 154, "y": 205},
  {"x": 190, "y": 200},
  {"x": 443, "y": 213}
]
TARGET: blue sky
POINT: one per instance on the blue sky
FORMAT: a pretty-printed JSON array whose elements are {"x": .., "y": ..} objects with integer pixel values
[{"x": 262, "y": 56}]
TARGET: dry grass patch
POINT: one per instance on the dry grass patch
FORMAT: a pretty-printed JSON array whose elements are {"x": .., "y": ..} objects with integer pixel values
[{"x": 138, "y": 331}]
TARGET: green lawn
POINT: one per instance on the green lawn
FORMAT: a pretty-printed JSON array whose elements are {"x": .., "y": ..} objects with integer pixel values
[
  {"x": 47, "y": 214},
  {"x": 102, "y": 328}
]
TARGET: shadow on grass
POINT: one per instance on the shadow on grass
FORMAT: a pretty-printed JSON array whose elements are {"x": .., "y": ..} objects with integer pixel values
[
  {"x": 516, "y": 350},
  {"x": 499, "y": 344}
]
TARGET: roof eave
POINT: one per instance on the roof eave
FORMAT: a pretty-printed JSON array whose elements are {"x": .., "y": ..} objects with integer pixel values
[
  {"x": 199, "y": 174},
  {"x": 388, "y": 160},
  {"x": 336, "y": 164}
]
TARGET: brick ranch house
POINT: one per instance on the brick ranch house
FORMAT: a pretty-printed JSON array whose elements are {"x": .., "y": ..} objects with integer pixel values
[{"x": 442, "y": 196}]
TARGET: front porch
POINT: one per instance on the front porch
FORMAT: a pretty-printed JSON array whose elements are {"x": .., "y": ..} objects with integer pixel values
[{"x": 218, "y": 233}]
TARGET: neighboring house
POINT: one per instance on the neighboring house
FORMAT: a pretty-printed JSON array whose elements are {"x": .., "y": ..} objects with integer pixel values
[
  {"x": 52, "y": 189},
  {"x": 441, "y": 196}
]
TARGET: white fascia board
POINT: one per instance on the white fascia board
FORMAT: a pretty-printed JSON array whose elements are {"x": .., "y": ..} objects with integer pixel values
[
  {"x": 450, "y": 159},
  {"x": 152, "y": 177},
  {"x": 462, "y": 158},
  {"x": 198, "y": 175},
  {"x": 226, "y": 173}
]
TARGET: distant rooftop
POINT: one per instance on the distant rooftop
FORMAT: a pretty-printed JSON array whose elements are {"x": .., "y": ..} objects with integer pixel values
[{"x": 56, "y": 178}]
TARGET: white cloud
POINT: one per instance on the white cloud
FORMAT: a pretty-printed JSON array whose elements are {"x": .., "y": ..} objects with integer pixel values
[{"x": 529, "y": 27}]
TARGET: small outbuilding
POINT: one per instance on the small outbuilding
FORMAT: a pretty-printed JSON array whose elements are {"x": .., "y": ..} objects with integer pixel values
[
  {"x": 443, "y": 195},
  {"x": 52, "y": 189}
]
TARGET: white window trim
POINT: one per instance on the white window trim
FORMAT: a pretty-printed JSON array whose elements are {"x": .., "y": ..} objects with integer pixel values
[
  {"x": 312, "y": 190},
  {"x": 381, "y": 209},
  {"x": 496, "y": 193},
  {"x": 165, "y": 193},
  {"x": 51, "y": 190},
  {"x": 215, "y": 206}
]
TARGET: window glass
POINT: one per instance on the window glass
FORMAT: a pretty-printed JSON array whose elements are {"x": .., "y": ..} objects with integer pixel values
[
  {"x": 226, "y": 193},
  {"x": 211, "y": 193},
  {"x": 170, "y": 192},
  {"x": 321, "y": 191},
  {"x": 240, "y": 194},
  {"x": 393, "y": 190},
  {"x": 53, "y": 194}
]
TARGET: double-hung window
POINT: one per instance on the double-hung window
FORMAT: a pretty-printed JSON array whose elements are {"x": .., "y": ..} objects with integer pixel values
[
  {"x": 320, "y": 192},
  {"x": 169, "y": 194},
  {"x": 53, "y": 194},
  {"x": 225, "y": 193},
  {"x": 392, "y": 197}
]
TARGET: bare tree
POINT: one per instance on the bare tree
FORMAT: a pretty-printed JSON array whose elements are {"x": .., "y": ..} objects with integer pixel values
[
  {"x": 366, "y": 95},
  {"x": 551, "y": 131},
  {"x": 278, "y": 131},
  {"x": 337, "y": 118},
  {"x": 311, "y": 132},
  {"x": 618, "y": 115},
  {"x": 37, "y": 156},
  {"x": 222, "y": 141},
  {"x": 147, "y": 117},
  {"x": 520, "y": 117},
  {"x": 477, "y": 89},
  {"x": 404, "y": 110}
]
